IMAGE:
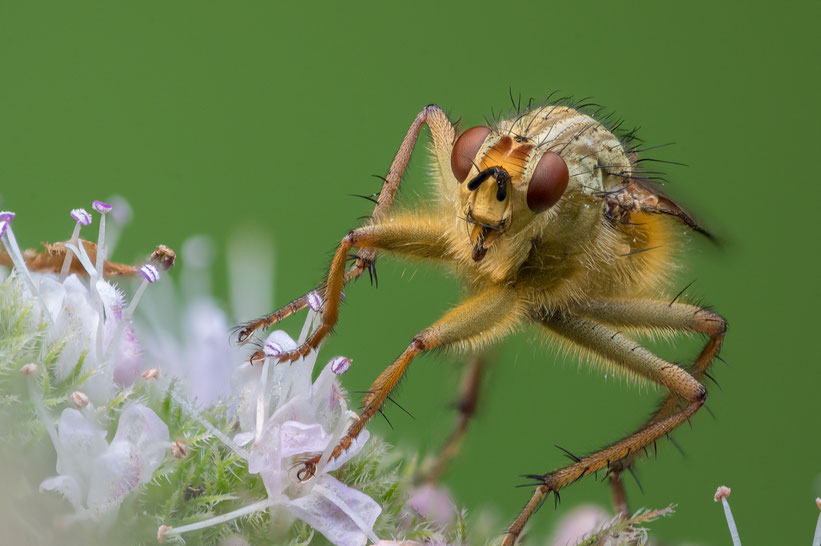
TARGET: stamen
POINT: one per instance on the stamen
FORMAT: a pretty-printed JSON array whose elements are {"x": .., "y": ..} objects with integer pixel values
[
  {"x": 816, "y": 540},
  {"x": 103, "y": 209},
  {"x": 13, "y": 250},
  {"x": 82, "y": 218},
  {"x": 166, "y": 531},
  {"x": 120, "y": 217},
  {"x": 150, "y": 276},
  {"x": 340, "y": 364},
  {"x": 721, "y": 495},
  {"x": 272, "y": 349},
  {"x": 315, "y": 301}
]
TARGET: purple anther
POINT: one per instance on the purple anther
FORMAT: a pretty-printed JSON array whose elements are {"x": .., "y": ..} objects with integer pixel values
[
  {"x": 81, "y": 216},
  {"x": 6, "y": 216},
  {"x": 150, "y": 273},
  {"x": 102, "y": 208},
  {"x": 314, "y": 302},
  {"x": 272, "y": 349},
  {"x": 340, "y": 365}
]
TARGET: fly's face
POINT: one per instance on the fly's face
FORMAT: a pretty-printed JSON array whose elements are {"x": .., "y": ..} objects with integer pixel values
[{"x": 505, "y": 180}]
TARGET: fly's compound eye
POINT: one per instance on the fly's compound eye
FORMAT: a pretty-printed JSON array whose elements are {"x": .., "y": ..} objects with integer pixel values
[
  {"x": 547, "y": 185},
  {"x": 465, "y": 149}
]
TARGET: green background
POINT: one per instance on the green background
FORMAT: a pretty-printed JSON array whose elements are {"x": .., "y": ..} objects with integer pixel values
[{"x": 208, "y": 116}]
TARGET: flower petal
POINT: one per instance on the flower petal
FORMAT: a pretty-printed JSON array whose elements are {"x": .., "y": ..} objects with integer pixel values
[
  {"x": 142, "y": 428},
  {"x": 328, "y": 509},
  {"x": 116, "y": 472},
  {"x": 80, "y": 442},
  {"x": 68, "y": 487},
  {"x": 348, "y": 454}
]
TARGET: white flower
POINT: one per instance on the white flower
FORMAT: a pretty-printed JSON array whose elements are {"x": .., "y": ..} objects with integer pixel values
[
  {"x": 88, "y": 314},
  {"x": 95, "y": 476},
  {"x": 286, "y": 417}
]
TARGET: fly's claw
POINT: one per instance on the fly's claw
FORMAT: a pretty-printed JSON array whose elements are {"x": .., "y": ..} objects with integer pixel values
[
  {"x": 308, "y": 469},
  {"x": 244, "y": 334},
  {"x": 257, "y": 357}
]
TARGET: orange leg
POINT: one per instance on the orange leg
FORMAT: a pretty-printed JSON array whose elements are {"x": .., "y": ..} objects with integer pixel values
[
  {"x": 620, "y": 350},
  {"x": 484, "y": 317},
  {"x": 443, "y": 135},
  {"x": 468, "y": 400}
]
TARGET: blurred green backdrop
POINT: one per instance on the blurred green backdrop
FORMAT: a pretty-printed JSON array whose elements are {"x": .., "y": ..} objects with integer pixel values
[{"x": 211, "y": 115}]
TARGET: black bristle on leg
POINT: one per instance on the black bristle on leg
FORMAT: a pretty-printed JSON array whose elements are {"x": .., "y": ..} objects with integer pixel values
[
  {"x": 568, "y": 454},
  {"x": 633, "y": 473}
]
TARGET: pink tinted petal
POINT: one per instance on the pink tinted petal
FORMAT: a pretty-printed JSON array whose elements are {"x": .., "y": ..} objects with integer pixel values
[
  {"x": 433, "y": 503},
  {"x": 578, "y": 523},
  {"x": 332, "y": 521}
]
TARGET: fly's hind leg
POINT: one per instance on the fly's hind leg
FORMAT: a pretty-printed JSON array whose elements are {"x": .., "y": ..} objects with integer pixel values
[
  {"x": 653, "y": 314},
  {"x": 611, "y": 345},
  {"x": 443, "y": 136},
  {"x": 468, "y": 400}
]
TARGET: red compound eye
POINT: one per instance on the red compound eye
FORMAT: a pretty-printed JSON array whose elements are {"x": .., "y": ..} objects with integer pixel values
[
  {"x": 548, "y": 182},
  {"x": 465, "y": 149}
]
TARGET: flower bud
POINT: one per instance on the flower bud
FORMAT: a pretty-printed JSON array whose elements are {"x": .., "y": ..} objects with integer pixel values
[
  {"x": 179, "y": 449},
  {"x": 79, "y": 399},
  {"x": 151, "y": 373}
]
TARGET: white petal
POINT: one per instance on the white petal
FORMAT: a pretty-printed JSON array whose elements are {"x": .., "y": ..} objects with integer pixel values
[
  {"x": 80, "y": 442},
  {"x": 348, "y": 454},
  {"x": 250, "y": 272},
  {"x": 297, "y": 438},
  {"x": 210, "y": 356},
  {"x": 113, "y": 300},
  {"x": 68, "y": 487},
  {"x": 142, "y": 427},
  {"x": 327, "y": 399},
  {"x": 116, "y": 472},
  {"x": 334, "y": 522}
]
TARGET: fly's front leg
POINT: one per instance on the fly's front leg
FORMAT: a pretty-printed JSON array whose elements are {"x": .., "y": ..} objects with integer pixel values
[
  {"x": 611, "y": 345},
  {"x": 484, "y": 317},
  {"x": 443, "y": 136},
  {"x": 415, "y": 236}
]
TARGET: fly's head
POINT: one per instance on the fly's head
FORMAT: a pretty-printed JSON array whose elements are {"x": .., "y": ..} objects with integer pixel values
[
  {"x": 550, "y": 166},
  {"x": 505, "y": 181}
]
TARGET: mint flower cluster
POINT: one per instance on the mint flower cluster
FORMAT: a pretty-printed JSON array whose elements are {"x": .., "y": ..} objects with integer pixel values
[{"x": 143, "y": 447}]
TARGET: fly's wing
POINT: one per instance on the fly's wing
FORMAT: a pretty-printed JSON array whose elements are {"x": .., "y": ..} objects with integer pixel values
[{"x": 641, "y": 195}]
